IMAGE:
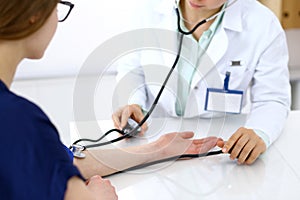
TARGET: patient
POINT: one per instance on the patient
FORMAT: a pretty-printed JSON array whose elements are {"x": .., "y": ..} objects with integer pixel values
[{"x": 34, "y": 162}]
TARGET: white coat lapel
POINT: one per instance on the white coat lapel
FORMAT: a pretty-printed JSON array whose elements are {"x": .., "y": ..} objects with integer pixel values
[
  {"x": 232, "y": 20},
  {"x": 168, "y": 40},
  {"x": 214, "y": 53}
]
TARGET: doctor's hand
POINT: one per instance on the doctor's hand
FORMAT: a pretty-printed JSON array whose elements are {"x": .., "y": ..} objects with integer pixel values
[
  {"x": 245, "y": 145},
  {"x": 133, "y": 111},
  {"x": 101, "y": 188}
]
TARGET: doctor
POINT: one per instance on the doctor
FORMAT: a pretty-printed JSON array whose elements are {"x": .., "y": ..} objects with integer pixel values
[{"x": 245, "y": 41}]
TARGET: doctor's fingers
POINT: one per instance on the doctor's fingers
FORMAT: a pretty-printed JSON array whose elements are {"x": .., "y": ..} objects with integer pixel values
[
  {"x": 244, "y": 145},
  {"x": 247, "y": 151},
  {"x": 255, "y": 154},
  {"x": 116, "y": 117},
  {"x": 232, "y": 141},
  {"x": 238, "y": 147},
  {"x": 255, "y": 147},
  {"x": 120, "y": 117},
  {"x": 133, "y": 111}
]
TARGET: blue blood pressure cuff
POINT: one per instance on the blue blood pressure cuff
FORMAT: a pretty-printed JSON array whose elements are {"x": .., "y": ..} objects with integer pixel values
[{"x": 224, "y": 100}]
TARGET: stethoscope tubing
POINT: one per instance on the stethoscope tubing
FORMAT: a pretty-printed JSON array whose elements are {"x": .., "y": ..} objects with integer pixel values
[
  {"x": 127, "y": 135},
  {"x": 173, "y": 158}
]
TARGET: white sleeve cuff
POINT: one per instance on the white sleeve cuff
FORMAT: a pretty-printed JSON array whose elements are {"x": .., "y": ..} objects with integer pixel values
[{"x": 263, "y": 136}]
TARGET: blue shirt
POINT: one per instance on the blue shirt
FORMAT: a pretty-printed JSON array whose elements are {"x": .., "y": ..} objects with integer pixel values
[{"x": 34, "y": 164}]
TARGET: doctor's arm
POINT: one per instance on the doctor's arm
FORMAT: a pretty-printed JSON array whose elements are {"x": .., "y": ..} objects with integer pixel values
[
  {"x": 108, "y": 161},
  {"x": 131, "y": 91},
  {"x": 270, "y": 99}
]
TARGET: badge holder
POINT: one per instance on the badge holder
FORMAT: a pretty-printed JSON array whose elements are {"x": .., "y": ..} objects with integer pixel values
[{"x": 224, "y": 100}]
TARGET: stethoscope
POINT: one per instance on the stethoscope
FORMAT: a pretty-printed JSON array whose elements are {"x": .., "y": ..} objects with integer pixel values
[{"x": 133, "y": 128}]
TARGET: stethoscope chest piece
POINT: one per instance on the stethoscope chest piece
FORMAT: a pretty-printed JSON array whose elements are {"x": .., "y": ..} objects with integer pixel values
[
  {"x": 77, "y": 151},
  {"x": 131, "y": 128}
]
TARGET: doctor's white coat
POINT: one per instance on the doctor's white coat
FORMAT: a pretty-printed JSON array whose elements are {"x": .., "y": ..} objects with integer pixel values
[{"x": 249, "y": 34}]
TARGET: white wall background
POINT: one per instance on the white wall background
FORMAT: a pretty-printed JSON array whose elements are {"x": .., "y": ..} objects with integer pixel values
[{"x": 91, "y": 23}]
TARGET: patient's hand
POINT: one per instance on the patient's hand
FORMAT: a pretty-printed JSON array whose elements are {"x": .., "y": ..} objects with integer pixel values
[
  {"x": 179, "y": 143},
  {"x": 101, "y": 188}
]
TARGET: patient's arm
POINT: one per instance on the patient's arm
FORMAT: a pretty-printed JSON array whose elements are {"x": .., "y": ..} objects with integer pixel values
[{"x": 108, "y": 161}]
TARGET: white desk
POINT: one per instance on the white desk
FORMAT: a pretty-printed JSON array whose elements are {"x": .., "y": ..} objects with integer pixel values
[{"x": 275, "y": 175}]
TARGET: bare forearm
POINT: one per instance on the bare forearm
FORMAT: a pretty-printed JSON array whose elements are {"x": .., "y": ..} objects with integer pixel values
[
  {"x": 104, "y": 162},
  {"x": 108, "y": 161}
]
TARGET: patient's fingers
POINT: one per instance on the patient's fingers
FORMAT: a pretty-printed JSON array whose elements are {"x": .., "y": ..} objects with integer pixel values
[{"x": 187, "y": 134}]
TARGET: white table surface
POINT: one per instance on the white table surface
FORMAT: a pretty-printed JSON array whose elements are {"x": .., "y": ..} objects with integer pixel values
[{"x": 275, "y": 175}]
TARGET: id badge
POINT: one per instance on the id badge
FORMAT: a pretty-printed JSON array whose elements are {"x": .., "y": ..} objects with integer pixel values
[
  {"x": 224, "y": 100},
  {"x": 219, "y": 100}
]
